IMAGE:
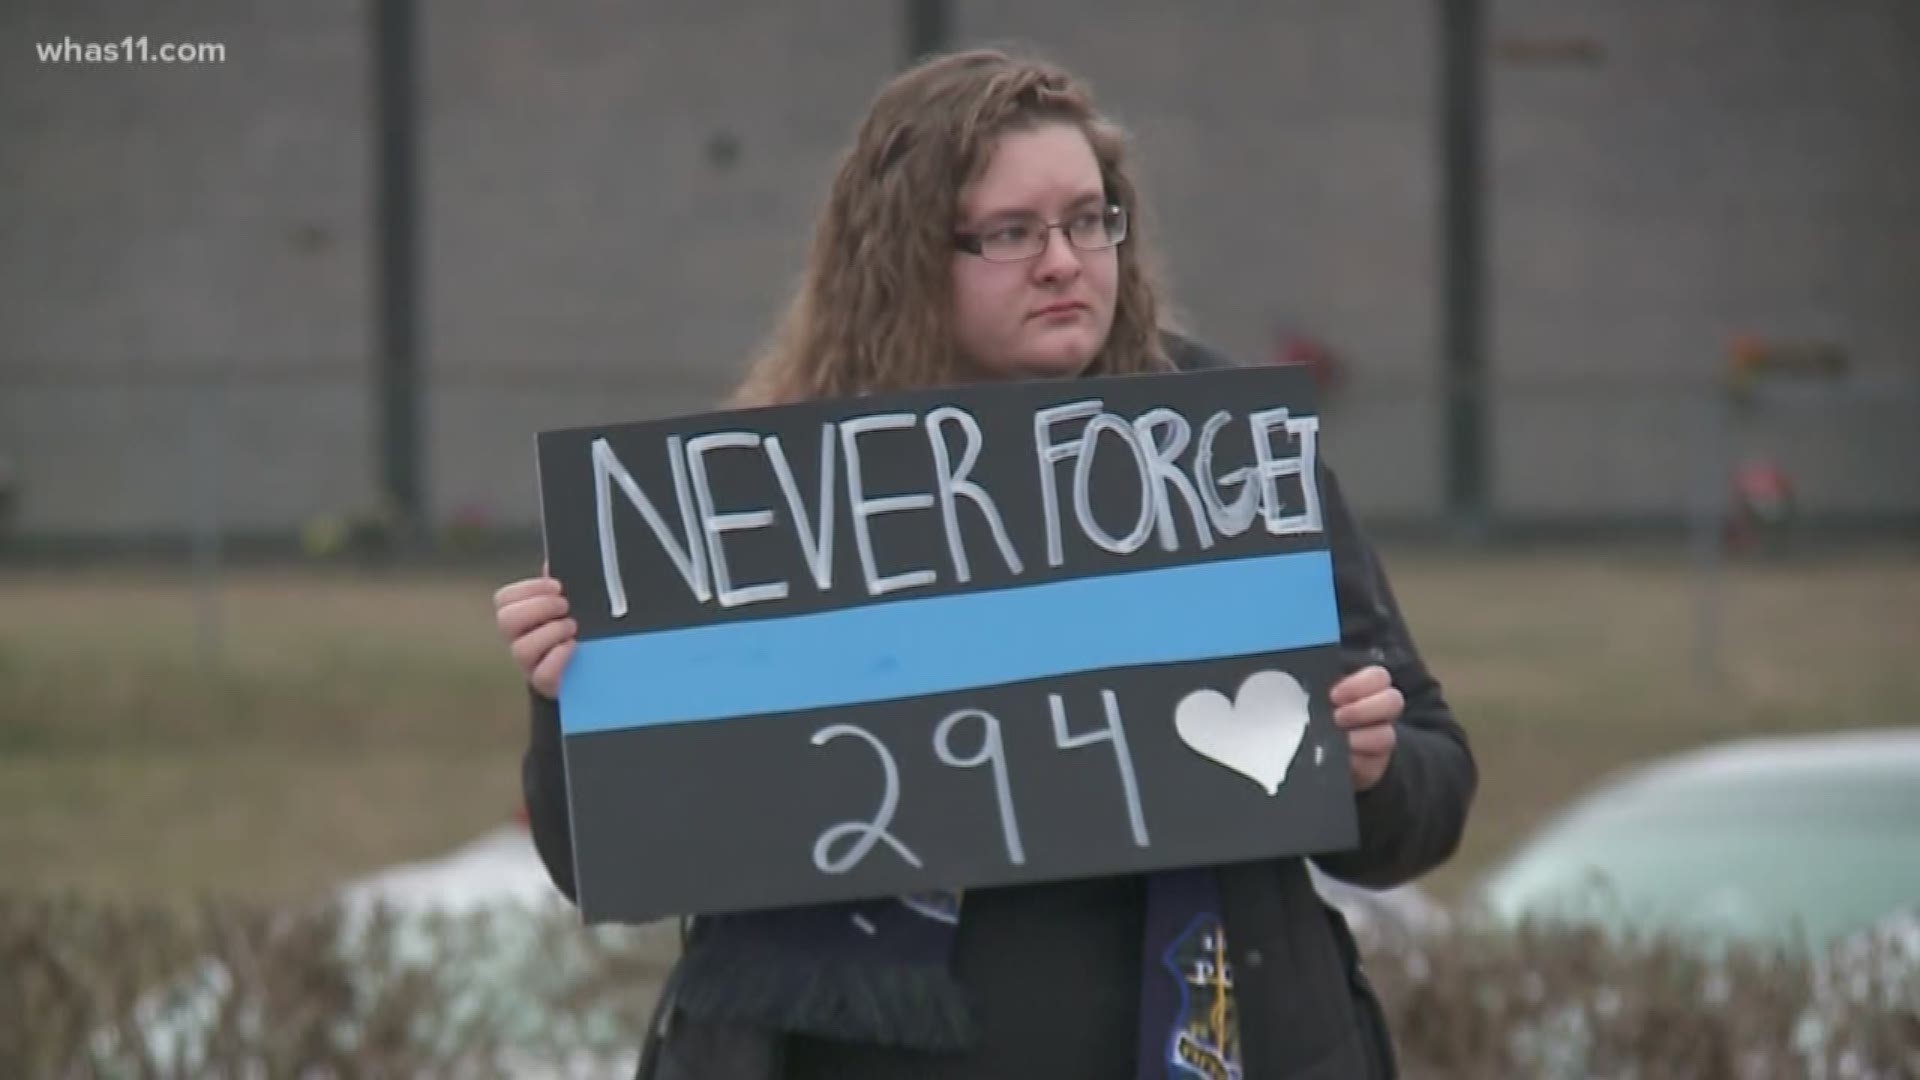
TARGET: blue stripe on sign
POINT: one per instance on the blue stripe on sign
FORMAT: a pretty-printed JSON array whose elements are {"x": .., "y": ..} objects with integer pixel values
[{"x": 909, "y": 648}]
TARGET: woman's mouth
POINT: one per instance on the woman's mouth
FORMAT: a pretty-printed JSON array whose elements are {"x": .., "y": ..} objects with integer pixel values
[{"x": 1063, "y": 310}]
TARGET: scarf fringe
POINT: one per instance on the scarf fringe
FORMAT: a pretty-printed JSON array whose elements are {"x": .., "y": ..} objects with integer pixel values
[{"x": 918, "y": 1007}]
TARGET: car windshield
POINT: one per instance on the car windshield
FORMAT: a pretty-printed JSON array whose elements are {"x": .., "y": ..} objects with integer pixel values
[{"x": 1786, "y": 851}]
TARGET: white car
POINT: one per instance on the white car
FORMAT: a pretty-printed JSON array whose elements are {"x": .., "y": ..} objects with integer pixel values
[
  {"x": 521, "y": 987},
  {"x": 1807, "y": 836}
]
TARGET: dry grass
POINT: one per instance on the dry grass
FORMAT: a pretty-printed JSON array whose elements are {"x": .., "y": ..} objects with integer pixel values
[
  {"x": 1566, "y": 668},
  {"x": 350, "y": 722},
  {"x": 355, "y": 720}
]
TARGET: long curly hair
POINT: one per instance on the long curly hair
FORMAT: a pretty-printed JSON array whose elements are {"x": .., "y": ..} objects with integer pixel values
[{"x": 874, "y": 310}]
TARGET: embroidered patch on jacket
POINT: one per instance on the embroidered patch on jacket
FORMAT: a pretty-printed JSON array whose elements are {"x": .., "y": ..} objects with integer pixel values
[{"x": 1205, "y": 1040}]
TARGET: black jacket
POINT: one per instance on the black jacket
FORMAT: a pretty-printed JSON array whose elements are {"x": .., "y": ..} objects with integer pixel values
[{"x": 1306, "y": 1010}]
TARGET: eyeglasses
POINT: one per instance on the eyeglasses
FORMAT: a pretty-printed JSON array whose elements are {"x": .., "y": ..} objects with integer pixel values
[{"x": 1020, "y": 238}]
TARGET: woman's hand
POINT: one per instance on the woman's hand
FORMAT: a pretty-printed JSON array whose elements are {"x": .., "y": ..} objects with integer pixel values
[
  {"x": 532, "y": 616},
  {"x": 1365, "y": 705}
]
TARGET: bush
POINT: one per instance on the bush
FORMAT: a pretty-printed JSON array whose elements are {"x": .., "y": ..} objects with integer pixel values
[
  {"x": 97, "y": 990},
  {"x": 1550, "y": 1002},
  {"x": 227, "y": 990}
]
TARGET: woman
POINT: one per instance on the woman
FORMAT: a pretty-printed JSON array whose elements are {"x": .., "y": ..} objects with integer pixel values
[{"x": 984, "y": 226}]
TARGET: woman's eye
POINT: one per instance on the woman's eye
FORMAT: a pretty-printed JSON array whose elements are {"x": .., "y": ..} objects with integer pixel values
[{"x": 1010, "y": 234}]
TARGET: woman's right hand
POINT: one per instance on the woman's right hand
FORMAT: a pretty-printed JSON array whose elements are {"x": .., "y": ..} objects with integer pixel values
[{"x": 532, "y": 616}]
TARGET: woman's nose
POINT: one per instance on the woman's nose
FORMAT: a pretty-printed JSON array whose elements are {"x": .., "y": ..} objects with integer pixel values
[{"x": 1059, "y": 261}]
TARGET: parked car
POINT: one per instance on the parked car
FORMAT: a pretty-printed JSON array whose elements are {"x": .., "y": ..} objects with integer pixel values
[
  {"x": 1808, "y": 837},
  {"x": 1386, "y": 917},
  {"x": 523, "y": 988}
]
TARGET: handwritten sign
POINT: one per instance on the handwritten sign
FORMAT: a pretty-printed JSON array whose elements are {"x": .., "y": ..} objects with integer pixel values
[{"x": 946, "y": 639}]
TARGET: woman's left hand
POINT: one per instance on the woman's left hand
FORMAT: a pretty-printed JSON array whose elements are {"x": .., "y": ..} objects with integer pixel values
[{"x": 1365, "y": 705}]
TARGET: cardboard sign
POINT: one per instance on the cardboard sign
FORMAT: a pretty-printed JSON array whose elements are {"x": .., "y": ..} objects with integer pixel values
[{"x": 977, "y": 636}]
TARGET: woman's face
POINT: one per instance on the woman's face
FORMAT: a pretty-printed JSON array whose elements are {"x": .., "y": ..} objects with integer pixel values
[{"x": 1048, "y": 315}]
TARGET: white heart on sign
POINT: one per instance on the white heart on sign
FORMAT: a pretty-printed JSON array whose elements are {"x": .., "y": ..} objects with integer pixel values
[{"x": 1256, "y": 734}]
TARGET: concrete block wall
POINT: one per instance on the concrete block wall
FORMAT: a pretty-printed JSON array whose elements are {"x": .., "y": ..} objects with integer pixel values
[
  {"x": 1716, "y": 169},
  {"x": 618, "y": 197}
]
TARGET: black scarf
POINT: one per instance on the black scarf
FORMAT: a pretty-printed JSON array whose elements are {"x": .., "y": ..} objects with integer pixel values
[{"x": 879, "y": 972}]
